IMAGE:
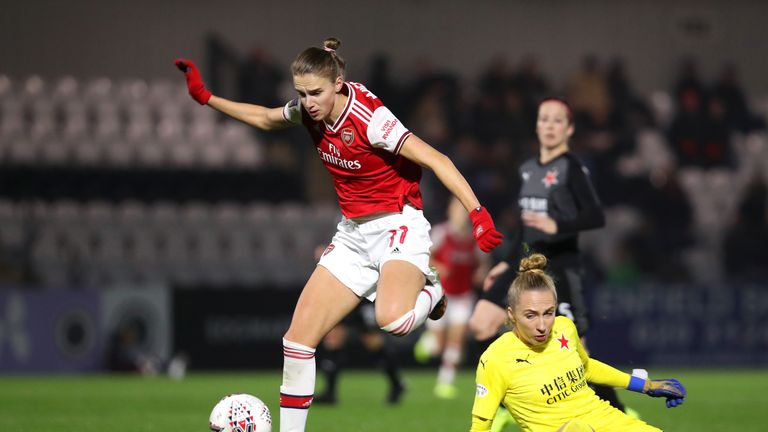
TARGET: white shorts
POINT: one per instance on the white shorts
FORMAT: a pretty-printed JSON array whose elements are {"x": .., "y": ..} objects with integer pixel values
[
  {"x": 459, "y": 311},
  {"x": 359, "y": 250}
]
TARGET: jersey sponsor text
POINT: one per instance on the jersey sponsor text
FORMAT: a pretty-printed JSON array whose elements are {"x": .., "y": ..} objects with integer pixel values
[{"x": 344, "y": 163}]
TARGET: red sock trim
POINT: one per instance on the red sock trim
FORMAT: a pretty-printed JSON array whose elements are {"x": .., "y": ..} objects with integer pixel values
[
  {"x": 295, "y": 402},
  {"x": 297, "y": 353},
  {"x": 404, "y": 328}
]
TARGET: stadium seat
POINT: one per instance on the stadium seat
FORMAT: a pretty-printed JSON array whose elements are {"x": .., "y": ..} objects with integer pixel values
[
  {"x": 6, "y": 88},
  {"x": 296, "y": 238},
  {"x": 161, "y": 92},
  {"x": 98, "y": 90},
  {"x": 88, "y": 153},
  {"x": 182, "y": 154},
  {"x": 54, "y": 152},
  {"x": 42, "y": 123},
  {"x": 22, "y": 151},
  {"x": 11, "y": 121},
  {"x": 202, "y": 132},
  {"x": 119, "y": 154},
  {"x": 75, "y": 125},
  {"x": 106, "y": 121},
  {"x": 65, "y": 89},
  {"x": 149, "y": 153},
  {"x": 34, "y": 88},
  {"x": 131, "y": 214},
  {"x": 248, "y": 155},
  {"x": 213, "y": 155},
  {"x": 13, "y": 228},
  {"x": 131, "y": 91}
]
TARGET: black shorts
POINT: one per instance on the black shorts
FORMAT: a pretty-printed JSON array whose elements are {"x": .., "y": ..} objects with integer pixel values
[{"x": 568, "y": 275}]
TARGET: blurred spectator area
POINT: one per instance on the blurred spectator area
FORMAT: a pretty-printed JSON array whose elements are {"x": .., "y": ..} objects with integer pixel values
[
  {"x": 131, "y": 124},
  {"x": 107, "y": 181},
  {"x": 62, "y": 244}
]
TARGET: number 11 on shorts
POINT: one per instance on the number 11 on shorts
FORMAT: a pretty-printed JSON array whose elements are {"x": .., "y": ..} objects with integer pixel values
[{"x": 403, "y": 231}]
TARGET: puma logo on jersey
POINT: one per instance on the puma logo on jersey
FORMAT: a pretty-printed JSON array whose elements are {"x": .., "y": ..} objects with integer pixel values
[{"x": 525, "y": 360}]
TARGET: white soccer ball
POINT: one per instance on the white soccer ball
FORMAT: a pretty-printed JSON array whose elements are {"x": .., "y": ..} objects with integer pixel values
[{"x": 240, "y": 413}]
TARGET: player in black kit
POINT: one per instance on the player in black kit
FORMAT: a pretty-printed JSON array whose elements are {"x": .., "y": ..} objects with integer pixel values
[{"x": 556, "y": 201}]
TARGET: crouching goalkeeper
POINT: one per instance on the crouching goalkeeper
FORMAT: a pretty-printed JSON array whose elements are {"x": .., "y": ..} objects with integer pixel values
[{"x": 540, "y": 372}]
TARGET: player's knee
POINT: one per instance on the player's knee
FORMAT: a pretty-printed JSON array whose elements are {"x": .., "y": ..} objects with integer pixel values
[
  {"x": 399, "y": 325},
  {"x": 388, "y": 315},
  {"x": 473, "y": 327},
  {"x": 576, "y": 426},
  {"x": 479, "y": 329}
]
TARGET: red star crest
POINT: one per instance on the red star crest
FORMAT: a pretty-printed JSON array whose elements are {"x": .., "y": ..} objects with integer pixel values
[
  {"x": 563, "y": 342},
  {"x": 550, "y": 179}
]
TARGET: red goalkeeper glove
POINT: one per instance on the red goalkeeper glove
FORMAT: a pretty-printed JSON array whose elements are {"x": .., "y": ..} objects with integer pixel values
[
  {"x": 484, "y": 230},
  {"x": 195, "y": 83}
]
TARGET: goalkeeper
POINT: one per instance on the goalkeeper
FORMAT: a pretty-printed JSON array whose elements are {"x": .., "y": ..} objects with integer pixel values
[{"x": 539, "y": 371}]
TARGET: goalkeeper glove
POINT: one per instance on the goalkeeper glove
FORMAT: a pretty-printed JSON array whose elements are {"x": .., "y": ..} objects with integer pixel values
[
  {"x": 669, "y": 388},
  {"x": 484, "y": 230},
  {"x": 195, "y": 83}
]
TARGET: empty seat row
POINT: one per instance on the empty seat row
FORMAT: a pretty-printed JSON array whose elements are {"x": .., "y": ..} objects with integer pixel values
[{"x": 99, "y": 244}]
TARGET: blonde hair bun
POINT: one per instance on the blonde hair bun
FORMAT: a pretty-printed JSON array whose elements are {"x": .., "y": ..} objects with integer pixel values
[{"x": 536, "y": 261}]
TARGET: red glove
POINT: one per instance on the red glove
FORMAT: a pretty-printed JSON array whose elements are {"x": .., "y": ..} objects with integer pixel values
[
  {"x": 194, "y": 81},
  {"x": 484, "y": 230}
]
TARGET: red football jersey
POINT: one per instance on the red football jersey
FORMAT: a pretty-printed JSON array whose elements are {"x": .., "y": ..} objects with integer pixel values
[
  {"x": 458, "y": 253},
  {"x": 361, "y": 151}
]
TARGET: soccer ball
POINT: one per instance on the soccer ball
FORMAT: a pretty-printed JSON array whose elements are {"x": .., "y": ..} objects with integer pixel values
[{"x": 240, "y": 413}]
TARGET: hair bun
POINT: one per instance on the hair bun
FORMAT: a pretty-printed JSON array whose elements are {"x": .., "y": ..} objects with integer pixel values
[
  {"x": 536, "y": 261},
  {"x": 331, "y": 43}
]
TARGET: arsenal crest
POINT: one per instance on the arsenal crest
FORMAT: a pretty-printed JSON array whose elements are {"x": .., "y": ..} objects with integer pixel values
[{"x": 347, "y": 136}]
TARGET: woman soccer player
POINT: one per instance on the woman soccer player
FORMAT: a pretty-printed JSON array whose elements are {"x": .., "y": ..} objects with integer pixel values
[
  {"x": 557, "y": 201},
  {"x": 460, "y": 264},
  {"x": 381, "y": 247},
  {"x": 539, "y": 371}
]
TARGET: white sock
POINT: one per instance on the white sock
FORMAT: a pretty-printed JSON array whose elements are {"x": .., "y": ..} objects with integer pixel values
[
  {"x": 447, "y": 372},
  {"x": 298, "y": 386},
  {"x": 425, "y": 302},
  {"x": 429, "y": 339},
  {"x": 414, "y": 317}
]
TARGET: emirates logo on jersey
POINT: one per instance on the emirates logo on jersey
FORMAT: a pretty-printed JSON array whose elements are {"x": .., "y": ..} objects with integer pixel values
[
  {"x": 347, "y": 136},
  {"x": 332, "y": 149},
  {"x": 333, "y": 156}
]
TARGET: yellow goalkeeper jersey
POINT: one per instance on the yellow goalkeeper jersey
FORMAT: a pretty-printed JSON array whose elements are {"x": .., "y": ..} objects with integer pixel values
[{"x": 546, "y": 387}]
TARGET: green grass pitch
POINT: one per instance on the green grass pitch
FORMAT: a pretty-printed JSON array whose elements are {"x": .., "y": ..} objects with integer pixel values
[{"x": 719, "y": 400}]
